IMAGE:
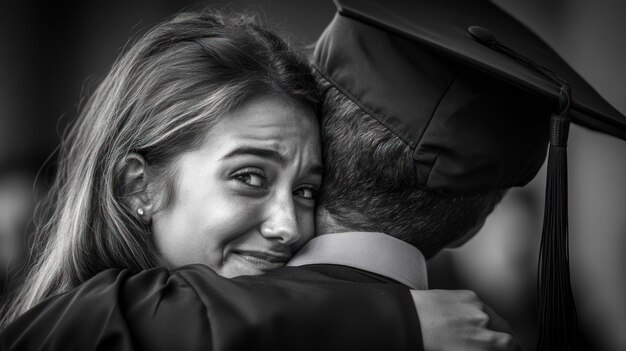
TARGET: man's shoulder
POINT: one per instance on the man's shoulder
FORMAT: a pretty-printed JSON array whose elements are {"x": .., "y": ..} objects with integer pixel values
[
  {"x": 194, "y": 307},
  {"x": 316, "y": 274}
]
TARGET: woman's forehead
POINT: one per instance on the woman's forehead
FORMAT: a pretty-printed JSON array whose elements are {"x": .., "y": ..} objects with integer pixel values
[
  {"x": 274, "y": 122},
  {"x": 274, "y": 127},
  {"x": 269, "y": 111}
]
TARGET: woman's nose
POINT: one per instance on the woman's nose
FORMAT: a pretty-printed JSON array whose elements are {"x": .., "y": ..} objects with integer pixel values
[{"x": 281, "y": 223}]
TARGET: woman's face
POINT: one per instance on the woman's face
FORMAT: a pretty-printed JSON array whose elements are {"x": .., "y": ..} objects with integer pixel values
[{"x": 244, "y": 201}]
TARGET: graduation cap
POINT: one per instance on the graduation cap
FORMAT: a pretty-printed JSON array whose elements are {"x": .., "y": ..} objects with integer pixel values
[{"x": 478, "y": 98}]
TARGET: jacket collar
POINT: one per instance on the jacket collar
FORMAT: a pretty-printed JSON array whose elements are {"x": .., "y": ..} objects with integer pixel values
[{"x": 370, "y": 251}]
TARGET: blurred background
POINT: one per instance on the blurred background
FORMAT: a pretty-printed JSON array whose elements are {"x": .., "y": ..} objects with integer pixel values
[{"x": 53, "y": 54}]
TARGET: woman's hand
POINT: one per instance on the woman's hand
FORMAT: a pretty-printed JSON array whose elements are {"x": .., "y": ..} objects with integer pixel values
[{"x": 459, "y": 320}]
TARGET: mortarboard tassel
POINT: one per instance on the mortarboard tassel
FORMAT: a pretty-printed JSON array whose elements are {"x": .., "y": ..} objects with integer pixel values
[
  {"x": 557, "y": 310},
  {"x": 558, "y": 326}
]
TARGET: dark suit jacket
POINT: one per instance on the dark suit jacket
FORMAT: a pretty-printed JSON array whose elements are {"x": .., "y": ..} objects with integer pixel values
[{"x": 318, "y": 307}]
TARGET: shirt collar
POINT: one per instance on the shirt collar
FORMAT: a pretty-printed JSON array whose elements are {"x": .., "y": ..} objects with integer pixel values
[{"x": 370, "y": 251}]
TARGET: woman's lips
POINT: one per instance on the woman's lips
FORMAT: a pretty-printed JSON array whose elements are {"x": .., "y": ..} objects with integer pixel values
[{"x": 263, "y": 260}]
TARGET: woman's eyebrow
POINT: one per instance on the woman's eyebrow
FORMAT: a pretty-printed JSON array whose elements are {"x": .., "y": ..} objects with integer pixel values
[{"x": 268, "y": 154}]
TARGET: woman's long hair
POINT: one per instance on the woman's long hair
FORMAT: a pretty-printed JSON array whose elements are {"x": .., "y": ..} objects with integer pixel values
[{"x": 158, "y": 100}]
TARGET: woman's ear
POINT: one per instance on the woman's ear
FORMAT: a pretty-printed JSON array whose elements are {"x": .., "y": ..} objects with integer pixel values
[{"x": 135, "y": 187}]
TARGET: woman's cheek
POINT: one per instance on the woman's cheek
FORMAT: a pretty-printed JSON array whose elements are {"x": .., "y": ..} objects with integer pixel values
[
  {"x": 306, "y": 225},
  {"x": 231, "y": 219}
]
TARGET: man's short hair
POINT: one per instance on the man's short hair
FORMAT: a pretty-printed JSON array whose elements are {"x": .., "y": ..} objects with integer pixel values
[{"x": 371, "y": 184}]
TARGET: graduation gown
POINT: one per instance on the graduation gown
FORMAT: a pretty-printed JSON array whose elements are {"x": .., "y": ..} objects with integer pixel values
[{"x": 317, "y": 307}]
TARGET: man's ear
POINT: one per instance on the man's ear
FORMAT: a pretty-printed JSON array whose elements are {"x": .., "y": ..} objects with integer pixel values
[{"x": 135, "y": 187}]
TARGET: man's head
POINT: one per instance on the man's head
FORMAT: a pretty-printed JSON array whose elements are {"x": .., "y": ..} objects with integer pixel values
[
  {"x": 371, "y": 183},
  {"x": 417, "y": 144}
]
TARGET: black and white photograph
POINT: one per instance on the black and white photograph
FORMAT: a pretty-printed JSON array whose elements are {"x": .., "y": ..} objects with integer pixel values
[{"x": 313, "y": 175}]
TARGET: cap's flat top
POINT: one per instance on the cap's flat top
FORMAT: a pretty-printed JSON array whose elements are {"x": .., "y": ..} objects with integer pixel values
[{"x": 430, "y": 23}]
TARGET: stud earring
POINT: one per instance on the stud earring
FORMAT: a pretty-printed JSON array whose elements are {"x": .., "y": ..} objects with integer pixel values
[{"x": 140, "y": 211}]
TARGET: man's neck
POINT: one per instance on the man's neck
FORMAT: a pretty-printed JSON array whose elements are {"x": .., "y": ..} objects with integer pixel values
[{"x": 326, "y": 224}]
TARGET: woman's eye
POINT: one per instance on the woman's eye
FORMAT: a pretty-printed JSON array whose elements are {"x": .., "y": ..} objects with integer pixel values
[
  {"x": 252, "y": 177},
  {"x": 306, "y": 193}
]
